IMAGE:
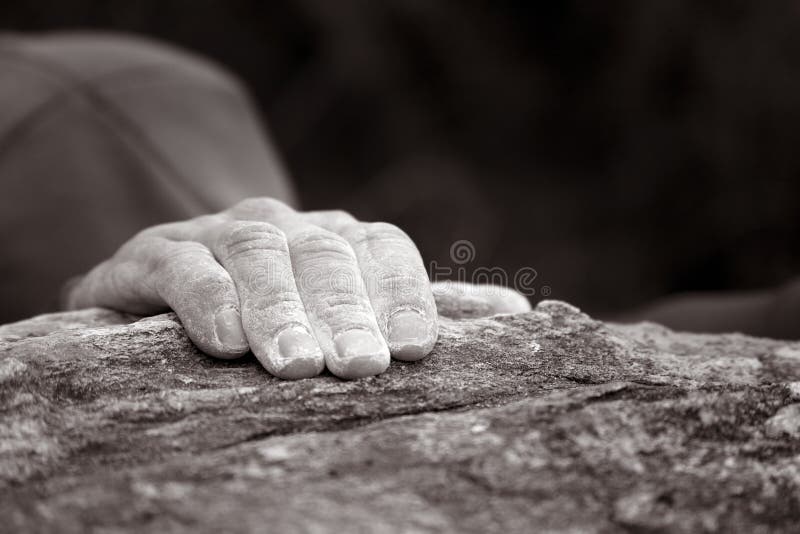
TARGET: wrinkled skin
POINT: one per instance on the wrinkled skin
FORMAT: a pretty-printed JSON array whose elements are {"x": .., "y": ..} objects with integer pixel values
[{"x": 302, "y": 290}]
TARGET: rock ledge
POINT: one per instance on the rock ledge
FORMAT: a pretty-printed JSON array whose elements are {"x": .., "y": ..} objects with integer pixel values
[{"x": 543, "y": 421}]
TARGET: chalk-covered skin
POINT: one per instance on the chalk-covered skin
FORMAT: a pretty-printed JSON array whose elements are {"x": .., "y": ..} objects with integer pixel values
[{"x": 302, "y": 290}]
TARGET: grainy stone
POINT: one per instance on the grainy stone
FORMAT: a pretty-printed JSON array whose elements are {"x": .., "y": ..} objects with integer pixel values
[
  {"x": 541, "y": 421},
  {"x": 785, "y": 422}
]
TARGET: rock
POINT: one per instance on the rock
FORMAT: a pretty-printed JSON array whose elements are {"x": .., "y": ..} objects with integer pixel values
[
  {"x": 785, "y": 422},
  {"x": 541, "y": 421}
]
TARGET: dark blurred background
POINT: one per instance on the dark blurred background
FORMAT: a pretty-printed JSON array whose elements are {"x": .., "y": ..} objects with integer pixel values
[{"x": 624, "y": 149}]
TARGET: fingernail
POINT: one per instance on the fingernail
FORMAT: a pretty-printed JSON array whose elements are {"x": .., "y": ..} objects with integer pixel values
[
  {"x": 408, "y": 335},
  {"x": 300, "y": 354},
  {"x": 228, "y": 327},
  {"x": 360, "y": 354},
  {"x": 297, "y": 343},
  {"x": 356, "y": 343}
]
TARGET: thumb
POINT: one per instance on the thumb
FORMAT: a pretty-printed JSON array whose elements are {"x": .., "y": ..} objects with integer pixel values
[{"x": 460, "y": 300}]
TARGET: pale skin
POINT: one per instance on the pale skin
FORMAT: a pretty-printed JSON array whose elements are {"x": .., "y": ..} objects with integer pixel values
[
  {"x": 306, "y": 291},
  {"x": 303, "y": 291}
]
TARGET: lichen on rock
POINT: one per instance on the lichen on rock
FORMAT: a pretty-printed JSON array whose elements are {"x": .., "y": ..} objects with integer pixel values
[{"x": 540, "y": 421}]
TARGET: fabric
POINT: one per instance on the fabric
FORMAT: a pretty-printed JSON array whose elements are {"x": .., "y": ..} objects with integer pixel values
[{"x": 104, "y": 135}]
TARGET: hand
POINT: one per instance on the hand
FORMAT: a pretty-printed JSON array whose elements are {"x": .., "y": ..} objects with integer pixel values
[{"x": 303, "y": 291}]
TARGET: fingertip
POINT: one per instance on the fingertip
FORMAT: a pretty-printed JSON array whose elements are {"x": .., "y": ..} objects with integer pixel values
[
  {"x": 460, "y": 300},
  {"x": 221, "y": 353},
  {"x": 510, "y": 301},
  {"x": 409, "y": 353},
  {"x": 292, "y": 355},
  {"x": 411, "y": 335},
  {"x": 229, "y": 333},
  {"x": 299, "y": 368},
  {"x": 205, "y": 332},
  {"x": 359, "y": 353},
  {"x": 362, "y": 366}
]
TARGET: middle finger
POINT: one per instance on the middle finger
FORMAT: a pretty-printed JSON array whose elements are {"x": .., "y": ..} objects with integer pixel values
[{"x": 336, "y": 302}]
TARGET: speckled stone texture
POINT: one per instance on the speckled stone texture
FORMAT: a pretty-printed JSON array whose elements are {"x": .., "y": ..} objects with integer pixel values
[{"x": 546, "y": 421}]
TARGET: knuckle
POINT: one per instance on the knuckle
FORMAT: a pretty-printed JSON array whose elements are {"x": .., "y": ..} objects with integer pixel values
[
  {"x": 400, "y": 279},
  {"x": 338, "y": 215},
  {"x": 182, "y": 230},
  {"x": 320, "y": 243},
  {"x": 346, "y": 301},
  {"x": 159, "y": 230},
  {"x": 344, "y": 306},
  {"x": 188, "y": 271},
  {"x": 180, "y": 257},
  {"x": 199, "y": 226},
  {"x": 380, "y": 229},
  {"x": 398, "y": 283},
  {"x": 190, "y": 230},
  {"x": 245, "y": 238},
  {"x": 274, "y": 309},
  {"x": 376, "y": 232},
  {"x": 259, "y": 208},
  {"x": 335, "y": 220}
]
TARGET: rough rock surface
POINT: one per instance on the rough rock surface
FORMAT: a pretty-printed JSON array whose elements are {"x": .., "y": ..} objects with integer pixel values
[{"x": 543, "y": 421}]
